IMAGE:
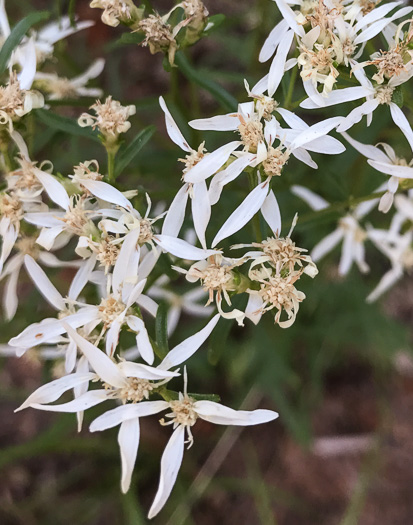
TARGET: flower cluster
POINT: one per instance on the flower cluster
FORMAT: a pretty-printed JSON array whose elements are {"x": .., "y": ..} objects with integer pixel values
[{"x": 119, "y": 247}]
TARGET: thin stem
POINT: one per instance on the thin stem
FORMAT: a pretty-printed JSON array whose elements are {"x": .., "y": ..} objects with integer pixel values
[
  {"x": 111, "y": 166},
  {"x": 289, "y": 96}
]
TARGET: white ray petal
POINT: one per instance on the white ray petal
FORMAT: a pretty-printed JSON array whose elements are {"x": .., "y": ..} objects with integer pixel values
[
  {"x": 170, "y": 465},
  {"x": 222, "y": 415},
  {"x": 128, "y": 439},
  {"x": 181, "y": 248},
  {"x": 277, "y": 67},
  {"x": 174, "y": 219},
  {"x": 243, "y": 214},
  {"x": 187, "y": 348},
  {"x": 114, "y": 417},
  {"x": 271, "y": 213},
  {"x": 105, "y": 368},
  {"x": 81, "y": 403},
  {"x": 201, "y": 210},
  {"x": 43, "y": 284},
  {"x": 211, "y": 163},
  {"x": 51, "y": 391},
  {"x": 53, "y": 188},
  {"x": 171, "y": 127},
  {"x": 327, "y": 244}
]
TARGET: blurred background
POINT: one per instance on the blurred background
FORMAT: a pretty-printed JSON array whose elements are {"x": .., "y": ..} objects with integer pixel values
[{"x": 341, "y": 377}]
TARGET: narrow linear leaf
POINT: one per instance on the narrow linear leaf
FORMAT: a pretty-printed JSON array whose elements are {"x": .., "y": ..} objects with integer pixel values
[
  {"x": 214, "y": 22},
  {"x": 126, "y": 156},
  {"x": 161, "y": 328},
  {"x": 65, "y": 124},
  {"x": 220, "y": 94},
  {"x": 17, "y": 34},
  {"x": 72, "y": 12}
]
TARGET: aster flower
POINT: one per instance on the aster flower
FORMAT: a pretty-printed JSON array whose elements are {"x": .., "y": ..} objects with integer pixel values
[
  {"x": 60, "y": 87},
  {"x": 385, "y": 161},
  {"x": 348, "y": 230}
]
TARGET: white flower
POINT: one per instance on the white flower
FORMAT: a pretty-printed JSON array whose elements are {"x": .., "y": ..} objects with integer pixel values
[
  {"x": 394, "y": 245},
  {"x": 59, "y": 87},
  {"x": 184, "y": 413},
  {"x": 385, "y": 162},
  {"x": 184, "y": 303},
  {"x": 348, "y": 230},
  {"x": 11, "y": 270}
]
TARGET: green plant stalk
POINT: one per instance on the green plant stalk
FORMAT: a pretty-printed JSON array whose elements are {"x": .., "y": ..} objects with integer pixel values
[{"x": 111, "y": 165}]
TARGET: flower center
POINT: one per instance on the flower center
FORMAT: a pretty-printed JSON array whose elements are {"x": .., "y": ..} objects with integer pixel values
[
  {"x": 251, "y": 132},
  {"x": 183, "y": 411},
  {"x": 135, "y": 390},
  {"x": 107, "y": 252},
  {"x": 194, "y": 157},
  {"x": 76, "y": 216},
  {"x": 11, "y": 96},
  {"x": 109, "y": 310},
  {"x": 11, "y": 208},
  {"x": 384, "y": 94},
  {"x": 276, "y": 159}
]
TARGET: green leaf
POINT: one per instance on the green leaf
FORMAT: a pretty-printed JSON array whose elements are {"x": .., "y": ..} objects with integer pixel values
[
  {"x": 161, "y": 328},
  {"x": 220, "y": 94},
  {"x": 17, "y": 34},
  {"x": 131, "y": 38},
  {"x": 126, "y": 156},
  {"x": 65, "y": 124},
  {"x": 218, "y": 340},
  {"x": 214, "y": 22},
  {"x": 172, "y": 395}
]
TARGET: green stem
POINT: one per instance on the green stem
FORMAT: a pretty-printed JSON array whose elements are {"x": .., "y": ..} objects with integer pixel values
[
  {"x": 111, "y": 166},
  {"x": 289, "y": 96}
]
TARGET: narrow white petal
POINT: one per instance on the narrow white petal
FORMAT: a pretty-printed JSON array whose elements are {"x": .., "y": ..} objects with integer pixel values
[
  {"x": 293, "y": 120},
  {"x": 128, "y": 439},
  {"x": 317, "y": 130},
  {"x": 253, "y": 310},
  {"x": 211, "y": 163},
  {"x": 404, "y": 172},
  {"x": 148, "y": 304},
  {"x": 371, "y": 152},
  {"x": 106, "y": 192},
  {"x": 105, "y": 368},
  {"x": 112, "y": 336},
  {"x": 272, "y": 41},
  {"x": 81, "y": 278},
  {"x": 171, "y": 127},
  {"x": 201, "y": 210},
  {"x": 338, "y": 96},
  {"x": 187, "y": 348},
  {"x": 222, "y": 415},
  {"x": 114, "y": 417},
  {"x": 93, "y": 71},
  {"x": 347, "y": 254},
  {"x": 130, "y": 369},
  {"x": 126, "y": 266},
  {"x": 174, "y": 219},
  {"x": 357, "y": 114},
  {"x": 277, "y": 67},
  {"x": 43, "y": 283},
  {"x": 228, "y": 175},
  {"x": 399, "y": 118},
  {"x": 81, "y": 403},
  {"x": 271, "y": 213},
  {"x": 229, "y": 122},
  {"x": 170, "y": 465},
  {"x": 142, "y": 338},
  {"x": 53, "y": 188},
  {"x": 290, "y": 17},
  {"x": 386, "y": 282},
  {"x": 51, "y": 391},
  {"x": 181, "y": 248},
  {"x": 243, "y": 214},
  {"x": 327, "y": 244}
]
